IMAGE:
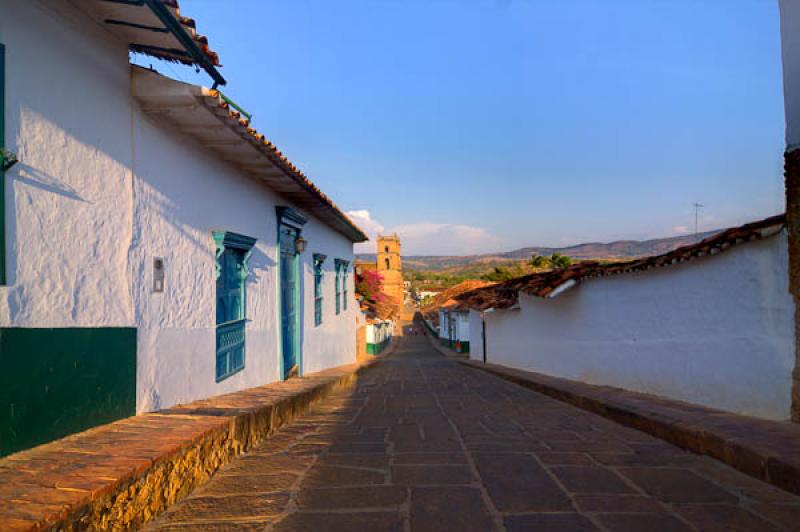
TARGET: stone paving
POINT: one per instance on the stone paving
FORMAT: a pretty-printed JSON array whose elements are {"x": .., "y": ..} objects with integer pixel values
[{"x": 425, "y": 444}]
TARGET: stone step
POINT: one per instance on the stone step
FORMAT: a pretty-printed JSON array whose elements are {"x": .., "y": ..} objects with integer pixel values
[{"x": 123, "y": 474}]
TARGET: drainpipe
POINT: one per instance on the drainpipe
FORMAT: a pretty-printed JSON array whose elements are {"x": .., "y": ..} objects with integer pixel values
[
  {"x": 483, "y": 335},
  {"x": 483, "y": 327}
]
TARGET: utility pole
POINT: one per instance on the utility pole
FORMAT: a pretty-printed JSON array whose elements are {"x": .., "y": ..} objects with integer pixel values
[{"x": 697, "y": 207}]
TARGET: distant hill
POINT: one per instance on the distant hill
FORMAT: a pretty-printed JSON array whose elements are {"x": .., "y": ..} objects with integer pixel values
[{"x": 621, "y": 249}]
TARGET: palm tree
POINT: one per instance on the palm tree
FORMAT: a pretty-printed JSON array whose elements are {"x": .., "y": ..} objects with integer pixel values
[
  {"x": 560, "y": 261},
  {"x": 538, "y": 261}
]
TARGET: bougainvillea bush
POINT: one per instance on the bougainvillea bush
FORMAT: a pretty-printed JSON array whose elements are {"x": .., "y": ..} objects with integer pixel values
[{"x": 369, "y": 284}]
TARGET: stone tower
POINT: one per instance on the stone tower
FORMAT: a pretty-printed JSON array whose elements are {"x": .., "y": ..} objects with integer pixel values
[{"x": 391, "y": 268}]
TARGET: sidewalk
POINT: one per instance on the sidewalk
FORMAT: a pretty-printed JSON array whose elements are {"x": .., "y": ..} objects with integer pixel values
[
  {"x": 123, "y": 474},
  {"x": 766, "y": 450}
]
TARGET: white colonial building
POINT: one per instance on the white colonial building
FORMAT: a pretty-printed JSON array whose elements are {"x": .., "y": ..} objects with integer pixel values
[
  {"x": 155, "y": 248},
  {"x": 711, "y": 323},
  {"x": 454, "y": 327}
]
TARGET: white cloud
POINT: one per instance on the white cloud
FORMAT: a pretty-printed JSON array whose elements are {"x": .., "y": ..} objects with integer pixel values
[
  {"x": 680, "y": 229},
  {"x": 371, "y": 227},
  {"x": 427, "y": 238},
  {"x": 445, "y": 239}
]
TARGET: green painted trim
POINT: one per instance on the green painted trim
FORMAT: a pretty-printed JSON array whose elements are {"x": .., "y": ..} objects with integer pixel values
[
  {"x": 341, "y": 279},
  {"x": 231, "y": 334},
  {"x": 56, "y": 382},
  {"x": 289, "y": 217},
  {"x": 376, "y": 349},
  {"x": 227, "y": 239},
  {"x": 319, "y": 295},
  {"x": 235, "y": 106},
  {"x": 279, "y": 300}
]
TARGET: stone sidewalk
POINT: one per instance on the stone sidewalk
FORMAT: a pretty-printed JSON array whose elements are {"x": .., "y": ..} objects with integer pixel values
[
  {"x": 764, "y": 449},
  {"x": 423, "y": 443},
  {"x": 118, "y": 476}
]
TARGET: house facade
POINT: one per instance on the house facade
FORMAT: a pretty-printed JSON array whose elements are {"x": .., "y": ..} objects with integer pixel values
[
  {"x": 454, "y": 327},
  {"x": 447, "y": 319},
  {"x": 157, "y": 249},
  {"x": 711, "y": 324}
]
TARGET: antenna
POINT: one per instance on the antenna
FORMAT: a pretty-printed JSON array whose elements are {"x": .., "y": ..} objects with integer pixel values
[{"x": 697, "y": 207}]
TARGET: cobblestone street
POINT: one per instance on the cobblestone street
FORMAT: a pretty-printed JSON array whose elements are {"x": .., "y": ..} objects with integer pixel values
[{"x": 425, "y": 444}]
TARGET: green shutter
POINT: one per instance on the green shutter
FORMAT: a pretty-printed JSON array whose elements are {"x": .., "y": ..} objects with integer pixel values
[
  {"x": 232, "y": 253},
  {"x": 318, "y": 262},
  {"x": 338, "y": 287}
]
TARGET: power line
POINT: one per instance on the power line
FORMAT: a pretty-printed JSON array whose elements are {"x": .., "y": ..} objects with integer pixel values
[{"x": 697, "y": 207}]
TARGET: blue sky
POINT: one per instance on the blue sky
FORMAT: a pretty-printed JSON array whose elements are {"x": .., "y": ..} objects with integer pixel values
[{"x": 483, "y": 125}]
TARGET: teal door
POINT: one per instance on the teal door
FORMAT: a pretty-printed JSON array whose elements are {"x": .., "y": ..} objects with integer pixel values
[{"x": 290, "y": 299}]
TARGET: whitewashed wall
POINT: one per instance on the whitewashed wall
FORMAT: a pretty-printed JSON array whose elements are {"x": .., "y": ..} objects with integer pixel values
[
  {"x": 475, "y": 335},
  {"x": 717, "y": 331},
  {"x": 68, "y": 201},
  {"x": 101, "y": 190},
  {"x": 462, "y": 326},
  {"x": 379, "y": 332},
  {"x": 790, "y": 36},
  {"x": 181, "y": 196},
  {"x": 444, "y": 325},
  {"x": 459, "y": 321}
]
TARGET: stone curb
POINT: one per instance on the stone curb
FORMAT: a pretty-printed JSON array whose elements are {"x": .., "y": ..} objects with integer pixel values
[
  {"x": 766, "y": 450},
  {"x": 121, "y": 475}
]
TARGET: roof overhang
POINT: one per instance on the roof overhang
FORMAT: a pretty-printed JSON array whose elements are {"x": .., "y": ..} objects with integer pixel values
[
  {"x": 205, "y": 116},
  {"x": 156, "y": 28}
]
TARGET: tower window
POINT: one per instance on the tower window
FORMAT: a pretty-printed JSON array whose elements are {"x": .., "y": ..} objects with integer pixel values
[{"x": 388, "y": 265}]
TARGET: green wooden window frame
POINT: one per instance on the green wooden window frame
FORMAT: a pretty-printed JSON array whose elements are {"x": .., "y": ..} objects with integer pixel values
[
  {"x": 341, "y": 276},
  {"x": 319, "y": 260},
  {"x": 232, "y": 254},
  {"x": 344, "y": 285}
]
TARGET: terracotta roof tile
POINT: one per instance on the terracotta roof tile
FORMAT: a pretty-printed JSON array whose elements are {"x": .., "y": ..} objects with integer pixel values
[
  {"x": 448, "y": 298},
  {"x": 280, "y": 160},
  {"x": 146, "y": 33},
  {"x": 550, "y": 284}
]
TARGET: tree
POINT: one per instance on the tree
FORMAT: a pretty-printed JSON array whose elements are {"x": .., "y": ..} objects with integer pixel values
[
  {"x": 538, "y": 261},
  {"x": 558, "y": 260},
  {"x": 369, "y": 285},
  {"x": 500, "y": 274}
]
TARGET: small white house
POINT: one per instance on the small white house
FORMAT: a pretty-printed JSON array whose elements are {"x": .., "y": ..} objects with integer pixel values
[
  {"x": 711, "y": 324},
  {"x": 155, "y": 248},
  {"x": 379, "y": 336},
  {"x": 454, "y": 327}
]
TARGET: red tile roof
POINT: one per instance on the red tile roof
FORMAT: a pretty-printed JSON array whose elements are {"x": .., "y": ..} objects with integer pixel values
[
  {"x": 280, "y": 160},
  {"x": 145, "y": 33},
  {"x": 448, "y": 298},
  {"x": 174, "y": 101},
  {"x": 550, "y": 284}
]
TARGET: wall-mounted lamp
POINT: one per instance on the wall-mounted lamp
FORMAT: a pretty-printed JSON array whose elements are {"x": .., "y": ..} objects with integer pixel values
[{"x": 300, "y": 245}]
